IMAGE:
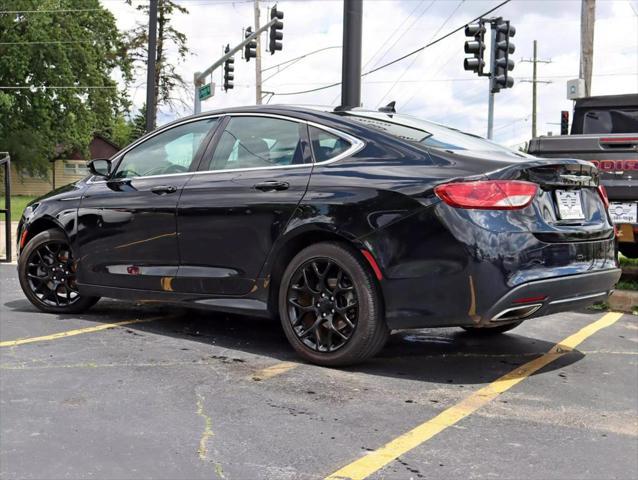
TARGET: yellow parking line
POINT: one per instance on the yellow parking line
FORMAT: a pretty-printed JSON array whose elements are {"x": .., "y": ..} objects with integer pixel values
[
  {"x": 274, "y": 370},
  {"x": 374, "y": 461},
  {"x": 71, "y": 333}
]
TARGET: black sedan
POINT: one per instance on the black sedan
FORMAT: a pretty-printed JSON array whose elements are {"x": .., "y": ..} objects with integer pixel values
[{"x": 345, "y": 224}]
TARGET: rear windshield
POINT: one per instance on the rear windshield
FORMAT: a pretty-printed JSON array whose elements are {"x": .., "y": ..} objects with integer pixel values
[
  {"x": 606, "y": 121},
  {"x": 426, "y": 133}
]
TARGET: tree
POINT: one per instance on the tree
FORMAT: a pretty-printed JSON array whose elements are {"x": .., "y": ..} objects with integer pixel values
[
  {"x": 57, "y": 59},
  {"x": 169, "y": 85}
]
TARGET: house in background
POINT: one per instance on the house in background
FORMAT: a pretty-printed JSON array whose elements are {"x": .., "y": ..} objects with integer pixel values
[{"x": 63, "y": 170}]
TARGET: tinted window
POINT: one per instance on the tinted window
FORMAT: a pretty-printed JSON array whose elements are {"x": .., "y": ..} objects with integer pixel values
[
  {"x": 325, "y": 145},
  {"x": 258, "y": 142},
  {"x": 172, "y": 151},
  {"x": 610, "y": 121},
  {"x": 427, "y": 133}
]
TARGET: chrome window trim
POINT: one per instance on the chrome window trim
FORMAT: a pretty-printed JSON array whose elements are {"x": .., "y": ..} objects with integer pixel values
[{"x": 356, "y": 145}]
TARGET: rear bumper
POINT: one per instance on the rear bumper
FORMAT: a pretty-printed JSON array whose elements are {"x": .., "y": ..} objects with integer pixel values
[
  {"x": 552, "y": 295},
  {"x": 527, "y": 300}
]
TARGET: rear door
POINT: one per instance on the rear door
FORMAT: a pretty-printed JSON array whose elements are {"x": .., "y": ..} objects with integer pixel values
[{"x": 234, "y": 208}]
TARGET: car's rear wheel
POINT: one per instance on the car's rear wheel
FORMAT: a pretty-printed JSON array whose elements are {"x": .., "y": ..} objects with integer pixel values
[
  {"x": 629, "y": 250},
  {"x": 46, "y": 270},
  {"x": 492, "y": 330},
  {"x": 330, "y": 307}
]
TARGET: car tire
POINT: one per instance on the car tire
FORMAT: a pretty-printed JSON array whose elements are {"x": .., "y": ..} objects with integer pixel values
[
  {"x": 496, "y": 330},
  {"x": 330, "y": 306},
  {"x": 46, "y": 270},
  {"x": 629, "y": 250}
]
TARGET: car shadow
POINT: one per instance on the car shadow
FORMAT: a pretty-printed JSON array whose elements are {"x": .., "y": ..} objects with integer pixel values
[{"x": 443, "y": 356}]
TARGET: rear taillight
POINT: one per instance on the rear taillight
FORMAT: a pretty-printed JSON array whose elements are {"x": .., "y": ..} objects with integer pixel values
[
  {"x": 488, "y": 194},
  {"x": 603, "y": 194}
]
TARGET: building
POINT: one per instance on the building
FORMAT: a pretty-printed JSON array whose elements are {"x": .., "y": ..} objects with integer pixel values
[{"x": 63, "y": 170}]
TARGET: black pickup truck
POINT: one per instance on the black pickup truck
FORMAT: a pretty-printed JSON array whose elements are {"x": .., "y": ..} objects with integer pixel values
[{"x": 605, "y": 132}]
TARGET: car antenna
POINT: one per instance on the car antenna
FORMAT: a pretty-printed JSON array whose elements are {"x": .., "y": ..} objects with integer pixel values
[{"x": 389, "y": 108}]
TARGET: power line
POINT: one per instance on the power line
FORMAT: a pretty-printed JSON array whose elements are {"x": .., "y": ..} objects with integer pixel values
[
  {"x": 299, "y": 58},
  {"x": 403, "y": 57},
  {"x": 47, "y": 42},
  {"x": 55, "y": 87},
  {"x": 416, "y": 57},
  {"x": 15, "y": 12}
]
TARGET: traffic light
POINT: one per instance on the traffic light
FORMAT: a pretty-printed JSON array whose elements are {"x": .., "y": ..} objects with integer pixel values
[
  {"x": 564, "y": 122},
  {"x": 475, "y": 47},
  {"x": 229, "y": 68},
  {"x": 250, "y": 50},
  {"x": 503, "y": 47},
  {"x": 276, "y": 28}
]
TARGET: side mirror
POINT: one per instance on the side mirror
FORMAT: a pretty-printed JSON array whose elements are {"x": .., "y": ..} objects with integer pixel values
[{"x": 100, "y": 167}]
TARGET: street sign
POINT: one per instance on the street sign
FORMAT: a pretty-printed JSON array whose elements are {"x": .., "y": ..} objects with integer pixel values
[{"x": 206, "y": 91}]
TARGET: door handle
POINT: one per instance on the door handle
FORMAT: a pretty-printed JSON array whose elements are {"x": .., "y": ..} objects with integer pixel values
[
  {"x": 164, "y": 189},
  {"x": 272, "y": 185}
]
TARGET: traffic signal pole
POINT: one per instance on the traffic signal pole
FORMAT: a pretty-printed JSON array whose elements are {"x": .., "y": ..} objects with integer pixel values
[
  {"x": 258, "y": 94},
  {"x": 490, "y": 102},
  {"x": 351, "y": 54},
  {"x": 200, "y": 77}
]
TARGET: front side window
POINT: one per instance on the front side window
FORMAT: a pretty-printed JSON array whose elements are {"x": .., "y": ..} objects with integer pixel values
[
  {"x": 258, "y": 142},
  {"x": 172, "y": 151},
  {"x": 326, "y": 145}
]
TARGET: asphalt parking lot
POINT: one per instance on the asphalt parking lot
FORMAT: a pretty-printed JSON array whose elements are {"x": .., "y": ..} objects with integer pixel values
[{"x": 179, "y": 393}]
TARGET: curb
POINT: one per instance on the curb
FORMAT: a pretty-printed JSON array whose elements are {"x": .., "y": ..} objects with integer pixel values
[{"x": 623, "y": 300}]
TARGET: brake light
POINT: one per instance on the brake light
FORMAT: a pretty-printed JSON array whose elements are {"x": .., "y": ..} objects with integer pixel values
[
  {"x": 602, "y": 191},
  {"x": 488, "y": 194}
]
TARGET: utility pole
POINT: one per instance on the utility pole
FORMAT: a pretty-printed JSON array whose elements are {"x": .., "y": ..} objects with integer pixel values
[
  {"x": 351, "y": 54},
  {"x": 150, "y": 72},
  {"x": 534, "y": 61},
  {"x": 587, "y": 20},
  {"x": 257, "y": 58}
]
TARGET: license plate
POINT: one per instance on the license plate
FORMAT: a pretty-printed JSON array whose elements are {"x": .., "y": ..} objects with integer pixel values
[
  {"x": 623, "y": 212},
  {"x": 570, "y": 205}
]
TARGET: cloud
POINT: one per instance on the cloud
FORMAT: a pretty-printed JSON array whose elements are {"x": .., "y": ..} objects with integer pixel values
[{"x": 435, "y": 86}]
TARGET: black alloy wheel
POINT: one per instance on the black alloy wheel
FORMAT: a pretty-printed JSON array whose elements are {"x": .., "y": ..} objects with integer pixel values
[
  {"x": 330, "y": 307},
  {"x": 322, "y": 305},
  {"x": 47, "y": 274}
]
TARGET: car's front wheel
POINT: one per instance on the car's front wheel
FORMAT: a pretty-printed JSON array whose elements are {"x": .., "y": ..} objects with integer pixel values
[
  {"x": 330, "y": 307},
  {"x": 46, "y": 270}
]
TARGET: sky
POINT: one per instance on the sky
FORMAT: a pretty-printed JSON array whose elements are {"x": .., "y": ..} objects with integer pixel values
[{"x": 431, "y": 84}]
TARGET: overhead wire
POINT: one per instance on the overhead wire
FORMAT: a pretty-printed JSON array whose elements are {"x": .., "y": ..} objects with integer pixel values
[
  {"x": 416, "y": 57},
  {"x": 402, "y": 57}
]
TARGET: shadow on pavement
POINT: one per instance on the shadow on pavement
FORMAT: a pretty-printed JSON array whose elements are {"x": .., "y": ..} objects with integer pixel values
[{"x": 443, "y": 356}]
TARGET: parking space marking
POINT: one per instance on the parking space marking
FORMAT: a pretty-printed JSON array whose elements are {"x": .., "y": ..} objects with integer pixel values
[
  {"x": 374, "y": 461},
  {"x": 79, "y": 331},
  {"x": 274, "y": 370}
]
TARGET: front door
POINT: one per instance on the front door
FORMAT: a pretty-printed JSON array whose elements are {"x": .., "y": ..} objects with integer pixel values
[
  {"x": 127, "y": 233},
  {"x": 231, "y": 212}
]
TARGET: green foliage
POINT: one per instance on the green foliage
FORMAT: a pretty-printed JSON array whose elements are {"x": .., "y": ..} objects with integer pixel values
[
  {"x": 82, "y": 49},
  {"x": 120, "y": 132},
  {"x": 138, "y": 124},
  {"x": 627, "y": 285},
  {"x": 18, "y": 204},
  {"x": 169, "y": 85}
]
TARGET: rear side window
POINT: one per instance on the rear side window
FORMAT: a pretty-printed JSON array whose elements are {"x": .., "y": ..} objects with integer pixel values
[
  {"x": 326, "y": 145},
  {"x": 258, "y": 142}
]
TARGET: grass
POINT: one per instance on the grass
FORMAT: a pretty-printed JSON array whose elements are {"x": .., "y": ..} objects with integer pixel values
[
  {"x": 18, "y": 202},
  {"x": 624, "y": 261},
  {"x": 627, "y": 285}
]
